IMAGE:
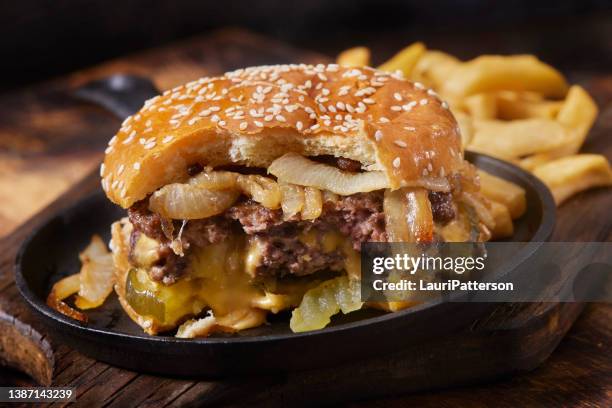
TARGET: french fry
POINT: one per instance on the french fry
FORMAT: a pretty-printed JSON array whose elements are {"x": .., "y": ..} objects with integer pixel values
[
  {"x": 522, "y": 105},
  {"x": 433, "y": 68},
  {"x": 577, "y": 113},
  {"x": 503, "y": 221},
  {"x": 466, "y": 127},
  {"x": 354, "y": 57},
  {"x": 531, "y": 162},
  {"x": 572, "y": 174},
  {"x": 481, "y": 106},
  {"x": 518, "y": 138},
  {"x": 405, "y": 60},
  {"x": 504, "y": 192},
  {"x": 490, "y": 73}
]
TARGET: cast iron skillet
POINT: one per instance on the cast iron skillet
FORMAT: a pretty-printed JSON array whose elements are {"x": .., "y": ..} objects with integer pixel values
[{"x": 51, "y": 252}]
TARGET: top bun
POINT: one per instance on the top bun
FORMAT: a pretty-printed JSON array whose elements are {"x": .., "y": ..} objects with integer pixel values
[{"x": 252, "y": 116}]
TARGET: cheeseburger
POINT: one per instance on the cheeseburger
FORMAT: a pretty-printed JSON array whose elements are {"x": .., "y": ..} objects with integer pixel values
[{"x": 251, "y": 193}]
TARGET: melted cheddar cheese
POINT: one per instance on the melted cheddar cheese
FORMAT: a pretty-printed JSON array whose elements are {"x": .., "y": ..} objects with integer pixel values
[{"x": 221, "y": 278}]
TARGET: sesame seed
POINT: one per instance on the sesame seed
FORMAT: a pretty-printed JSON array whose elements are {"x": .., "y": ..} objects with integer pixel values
[
  {"x": 149, "y": 146},
  {"x": 378, "y": 135},
  {"x": 258, "y": 123},
  {"x": 123, "y": 193},
  {"x": 425, "y": 172},
  {"x": 102, "y": 168},
  {"x": 444, "y": 105},
  {"x": 442, "y": 171},
  {"x": 410, "y": 128},
  {"x": 120, "y": 169},
  {"x": 168, "y": 139},
  {"x": 396, "y": 162},
  {"x": 408, "y": 107},
  {"x": 299, "y": 125},
  {"x": 419, "y": 85},
  {"x": 136, "y": 166},
  {"x": 396, "y": 108},
  {"x": 397, "y": 96},
  {"x": 108, "y": 149},
  {"x": 112, "y": 141},
  {"x": 221, "y": 123},
  {"x": 401, "y": 143},
  {"x": 429, "y": 166},
  {"x": 315, "y": 126},
  {"x": 243, "y": 125},
  {"x": 383, "y": 119},
  {"x": 281, "y": 118}
]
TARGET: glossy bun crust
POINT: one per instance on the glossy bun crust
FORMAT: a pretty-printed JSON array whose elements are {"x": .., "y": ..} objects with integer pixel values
[{"x": 252, "y": 116}]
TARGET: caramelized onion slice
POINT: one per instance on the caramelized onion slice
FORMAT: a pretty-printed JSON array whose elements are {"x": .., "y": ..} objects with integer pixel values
[
  {"x": 420, "y": 216},
  {"x": 233, "y": 321},
  {"x": 313, "y": 203},
  {"x": 479, "y": 204},
  {"x": 97, "y": 278},
  {"x": 408, "y": 215},
  {"x": 396, "y": 221},
  {"x": 262, "y": 189},
  {"x": 296, "y": 169},
  {"x": 215, "y": 180},
  {"x": 292, "y": 199},
  {"x": 188, "y": 202},
  {"x": 63, "y": 289}
]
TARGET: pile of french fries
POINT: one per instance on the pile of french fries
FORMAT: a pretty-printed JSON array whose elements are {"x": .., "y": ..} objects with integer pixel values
[{"x": 516, "y": 108}]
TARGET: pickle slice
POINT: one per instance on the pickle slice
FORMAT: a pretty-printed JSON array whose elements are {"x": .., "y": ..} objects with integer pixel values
[
  {"x": 322, "y": 302},
  {"x": 141, "y": 299}
]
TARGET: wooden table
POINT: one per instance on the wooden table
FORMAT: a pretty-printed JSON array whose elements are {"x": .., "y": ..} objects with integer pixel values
[{"x": 48, "y": 141}]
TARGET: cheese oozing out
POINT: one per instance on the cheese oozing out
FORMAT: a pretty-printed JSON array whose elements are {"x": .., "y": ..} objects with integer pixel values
[{"x": 222, "y": 277}]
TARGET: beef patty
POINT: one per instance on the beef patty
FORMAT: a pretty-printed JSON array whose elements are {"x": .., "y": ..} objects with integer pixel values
[{"x": 359, "y": 217}]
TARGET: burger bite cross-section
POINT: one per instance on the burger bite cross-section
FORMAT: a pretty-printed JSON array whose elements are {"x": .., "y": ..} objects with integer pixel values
[{"x": 246, "y": 191}]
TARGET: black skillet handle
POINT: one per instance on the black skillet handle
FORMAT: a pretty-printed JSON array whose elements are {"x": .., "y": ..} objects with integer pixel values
[{"x": 120, "y": 94}]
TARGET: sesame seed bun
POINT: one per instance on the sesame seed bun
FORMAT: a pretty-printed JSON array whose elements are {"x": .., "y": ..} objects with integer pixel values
[{"x": 252, "y": 116}]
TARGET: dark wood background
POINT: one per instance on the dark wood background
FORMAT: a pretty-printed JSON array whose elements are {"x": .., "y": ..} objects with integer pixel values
[
  {"x": 49, "y": 140},
  {"x": 43, "y": 39}
]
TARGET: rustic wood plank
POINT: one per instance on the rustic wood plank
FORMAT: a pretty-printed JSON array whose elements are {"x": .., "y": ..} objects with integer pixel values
[
  {"x": 578, "y": 373},
  {"x": 147, "y": 389}
]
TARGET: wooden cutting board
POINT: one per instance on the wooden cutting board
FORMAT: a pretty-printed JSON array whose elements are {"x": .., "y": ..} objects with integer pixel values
[{"x": 49, "y": 140}]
